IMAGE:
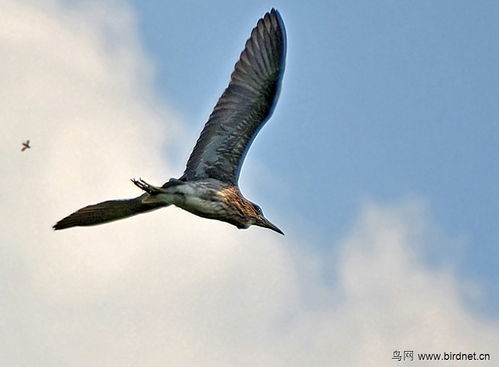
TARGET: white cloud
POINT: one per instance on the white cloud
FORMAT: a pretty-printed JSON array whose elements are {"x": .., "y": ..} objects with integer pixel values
[{"x": 168, "y": 288}]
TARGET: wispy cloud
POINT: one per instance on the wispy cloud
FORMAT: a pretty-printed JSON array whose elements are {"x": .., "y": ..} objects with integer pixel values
[{"x": 168, "y": 287}]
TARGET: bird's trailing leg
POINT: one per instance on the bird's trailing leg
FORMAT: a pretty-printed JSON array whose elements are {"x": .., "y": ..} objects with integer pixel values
[{"x": 150, "y": 189}]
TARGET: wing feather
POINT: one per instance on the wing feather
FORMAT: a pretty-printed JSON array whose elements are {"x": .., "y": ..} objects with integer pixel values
[
  {"x": 109, "y": 211},
  {"x": 244, "y": 107}
]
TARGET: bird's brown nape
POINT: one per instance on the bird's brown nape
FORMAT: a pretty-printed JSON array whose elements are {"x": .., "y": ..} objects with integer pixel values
[{"x": 233, "y": 196}]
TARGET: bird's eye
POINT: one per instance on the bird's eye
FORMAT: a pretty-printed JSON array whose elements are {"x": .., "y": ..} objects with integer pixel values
[{"x": 258, "y": 209}]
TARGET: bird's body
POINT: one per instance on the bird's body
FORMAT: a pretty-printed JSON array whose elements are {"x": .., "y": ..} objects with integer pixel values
[
  {"x": 209, "y": 198},
  {"x": 25, "y": 146},
  {"x": 208, "y": 188}
]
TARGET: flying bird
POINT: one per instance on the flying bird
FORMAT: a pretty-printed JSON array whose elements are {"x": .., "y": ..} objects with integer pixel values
[
  {"x": 25, "y": 146},
  {"x": 209, "y": 186}
]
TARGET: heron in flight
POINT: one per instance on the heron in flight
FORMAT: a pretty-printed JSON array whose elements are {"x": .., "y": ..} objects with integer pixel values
[
  {"x": 209, "y": 185},
  {"x": 25, "y": 146}
]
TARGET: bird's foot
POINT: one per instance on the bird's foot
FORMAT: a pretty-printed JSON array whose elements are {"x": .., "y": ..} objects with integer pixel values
[{"x": 150, "y": 189}]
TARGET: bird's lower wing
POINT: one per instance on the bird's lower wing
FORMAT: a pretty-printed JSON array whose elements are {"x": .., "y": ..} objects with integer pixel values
[{"x": 109, "y": 211}]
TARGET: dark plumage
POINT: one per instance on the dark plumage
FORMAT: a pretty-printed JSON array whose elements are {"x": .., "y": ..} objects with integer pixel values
[
  {"x": 244, "y": 107},
  {"x": 25, "y": 146},
  {"x": 208, "y": 187}
]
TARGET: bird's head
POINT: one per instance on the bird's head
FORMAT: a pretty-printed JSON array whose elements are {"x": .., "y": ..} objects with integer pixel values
[{"x": 259, "y": 220}]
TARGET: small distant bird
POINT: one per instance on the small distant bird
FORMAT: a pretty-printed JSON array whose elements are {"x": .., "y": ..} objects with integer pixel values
[
  {"x": 25, "y": 146},
  {"x": 209, "y": 185}
]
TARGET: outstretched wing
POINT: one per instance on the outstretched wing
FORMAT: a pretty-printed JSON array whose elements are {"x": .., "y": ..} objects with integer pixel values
[
  {"x": 244, "y": 107},
  {"x": 109, "y": 211}
]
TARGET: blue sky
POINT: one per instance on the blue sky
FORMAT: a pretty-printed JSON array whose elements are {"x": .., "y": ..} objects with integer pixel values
[
  {"x": 379, "y": 164},
  {"x": 381, "y": 100}
]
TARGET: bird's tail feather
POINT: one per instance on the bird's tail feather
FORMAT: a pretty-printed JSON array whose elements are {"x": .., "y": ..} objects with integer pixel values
[{"x": 109, "y": 211}]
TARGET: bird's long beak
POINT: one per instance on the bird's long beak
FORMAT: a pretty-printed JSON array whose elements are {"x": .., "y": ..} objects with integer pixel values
[{"x": 264, "y": 222}]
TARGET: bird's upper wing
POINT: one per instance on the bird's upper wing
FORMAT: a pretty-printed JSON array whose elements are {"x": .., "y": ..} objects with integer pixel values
[{"x": 244, "y": 107}]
